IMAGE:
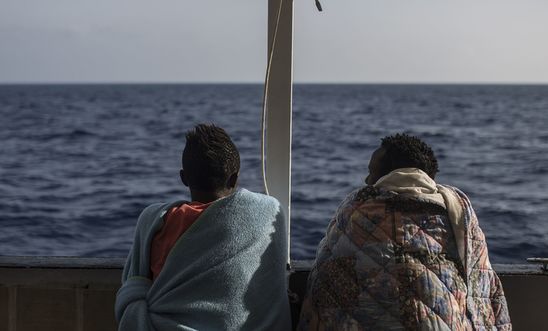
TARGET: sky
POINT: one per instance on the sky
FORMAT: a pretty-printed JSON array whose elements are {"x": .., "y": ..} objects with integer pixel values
[{"x": 352, "y": 41}]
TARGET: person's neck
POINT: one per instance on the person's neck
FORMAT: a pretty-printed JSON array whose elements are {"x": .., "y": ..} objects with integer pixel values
[{"x": 207, "y": 196}]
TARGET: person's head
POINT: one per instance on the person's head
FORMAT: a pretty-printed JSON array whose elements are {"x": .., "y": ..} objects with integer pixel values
[
  {"x": 211, "y": 161},
  {"x": 401, "y": 151}
]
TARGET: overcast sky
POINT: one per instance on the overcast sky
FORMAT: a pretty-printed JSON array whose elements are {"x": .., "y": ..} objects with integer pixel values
[{"x": 423, "y": 41}]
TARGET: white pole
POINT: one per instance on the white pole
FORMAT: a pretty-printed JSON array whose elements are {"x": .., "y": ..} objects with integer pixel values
[{"x": 279, "y": 104}]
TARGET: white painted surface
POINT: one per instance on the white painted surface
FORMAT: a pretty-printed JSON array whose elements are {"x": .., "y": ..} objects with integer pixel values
[{"x": 279, "y": 94}]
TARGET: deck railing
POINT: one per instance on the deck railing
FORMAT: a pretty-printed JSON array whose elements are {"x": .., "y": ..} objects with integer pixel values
[{"x": 77, "y": 294}]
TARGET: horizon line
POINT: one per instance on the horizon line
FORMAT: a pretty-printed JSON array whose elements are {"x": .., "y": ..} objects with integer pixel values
[{"x": 36, "y": 83}]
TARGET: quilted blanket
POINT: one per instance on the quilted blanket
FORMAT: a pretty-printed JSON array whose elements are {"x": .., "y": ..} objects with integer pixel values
[{"x": 405, "y": 254}]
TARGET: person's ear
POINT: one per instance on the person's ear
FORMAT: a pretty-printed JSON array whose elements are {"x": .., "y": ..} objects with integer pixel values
[
  {"x": 182, "y": 174},
  {"x": 232, "y": 180}
]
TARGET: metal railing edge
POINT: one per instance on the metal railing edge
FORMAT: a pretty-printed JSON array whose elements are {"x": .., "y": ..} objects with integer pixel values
[{"x": 72, "y": 262}]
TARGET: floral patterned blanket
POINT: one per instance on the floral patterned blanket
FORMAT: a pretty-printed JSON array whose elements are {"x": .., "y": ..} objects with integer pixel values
[{"x": 390, "y": 261}]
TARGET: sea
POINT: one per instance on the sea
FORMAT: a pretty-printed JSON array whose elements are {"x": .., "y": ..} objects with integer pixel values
[{"x": 78, "y": 163}]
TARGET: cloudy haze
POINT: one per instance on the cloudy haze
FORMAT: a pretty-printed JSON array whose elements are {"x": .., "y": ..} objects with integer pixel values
[{"x": 405, "y": 41}]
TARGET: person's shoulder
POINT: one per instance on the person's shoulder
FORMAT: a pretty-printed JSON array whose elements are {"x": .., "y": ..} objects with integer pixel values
[
  {"x": 359, "y": 196},
  {"x": 370, "y": 192},
  {"x": 364, "y": 197},
  {"x": 256, "y": 202},
  {"x": 152, "y": 212},
  {"x": 455, "y": 189},
  {"x": 256, "y": 197}
]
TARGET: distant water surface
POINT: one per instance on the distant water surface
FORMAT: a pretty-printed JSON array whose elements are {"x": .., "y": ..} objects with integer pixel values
[{"x": 78, "y": 163}]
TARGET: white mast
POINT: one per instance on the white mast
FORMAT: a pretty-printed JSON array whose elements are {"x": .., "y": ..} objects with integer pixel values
[{"x": 278, "y": 106}]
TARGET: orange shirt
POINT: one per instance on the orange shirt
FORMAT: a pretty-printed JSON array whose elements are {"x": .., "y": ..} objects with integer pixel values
[{"x": 176, "y": 222}]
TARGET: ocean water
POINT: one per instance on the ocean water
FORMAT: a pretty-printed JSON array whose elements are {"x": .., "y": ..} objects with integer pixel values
[{"x": 78, "y": 163}]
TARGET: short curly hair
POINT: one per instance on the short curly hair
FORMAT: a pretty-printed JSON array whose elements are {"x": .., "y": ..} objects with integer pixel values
[
  {"x": 405, "y": 151},
  {"x": 209, "y": 158}
]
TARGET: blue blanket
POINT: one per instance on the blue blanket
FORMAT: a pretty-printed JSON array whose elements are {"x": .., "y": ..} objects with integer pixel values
[{"x": 226, "y": 272}]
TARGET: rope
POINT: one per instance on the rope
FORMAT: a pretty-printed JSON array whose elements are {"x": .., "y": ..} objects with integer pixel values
[{"x": 265, "y": 96}]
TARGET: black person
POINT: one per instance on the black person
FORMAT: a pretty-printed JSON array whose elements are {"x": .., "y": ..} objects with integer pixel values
[
  {"x": 404, "y": 253},
  {"x": 216, "y": 263}
]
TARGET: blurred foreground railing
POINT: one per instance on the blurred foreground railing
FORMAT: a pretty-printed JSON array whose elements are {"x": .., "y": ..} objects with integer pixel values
[{"x": 77, "y": 294}]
